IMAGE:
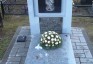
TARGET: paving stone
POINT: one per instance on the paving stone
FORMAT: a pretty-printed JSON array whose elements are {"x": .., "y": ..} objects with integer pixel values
[
  {"x": 19, "y": 45},
  {"x": 74, "y": 44},
  {"x": 25, "y": 27},
  {"x": 79, "y": 55},
  {"x": 73, "y": 29},
  {"x": 14, "y": 59},
  {"x": 74, "y": 48},
  {"x": 23, "y": 32},
  {"x": 74, "y": 37},
  {"x": 80, "y": 35},
  {"x": 77, "y": 60},
  {"x": 22, "y": 60},
  {"x": 86, "y": 60},
  {"x": 82, "y": 47},
  {"x": 78, "y": 43},
  {"x": 87, "y": 63},
  {"x": 0, "y": 61},
  {"x": 79, "y": 29},
  {"x": 83, "y": 63},
  {"x": 21, "y": 54},
  {"x": 78, "y": 51},
  {"x": 29, "y": 38},
  {"x": 83, "y": 60},
  {"x": 75, "y": 40},
  {"x": 13, "y": 52},
  {"x": 12, "y": 62},
  {"x": 90, "y": 60},
  {"x": 22, "y": 50},
  {"x": 82, "y": 39},
  {"x": 87, "y": 53},
  {"x": 19, "y": 42},
  {"x": 27, "y": 44},
  {"x": 77, "y": 32}
]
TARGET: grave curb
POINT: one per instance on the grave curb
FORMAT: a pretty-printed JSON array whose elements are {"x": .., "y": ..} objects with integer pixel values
[
  {"x": 5, "y": 57},
  {"x": 88, "y": 41}
]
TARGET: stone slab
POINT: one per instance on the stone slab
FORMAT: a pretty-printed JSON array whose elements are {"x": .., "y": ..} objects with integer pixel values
[
  {"x": 20, "y": 47},
  {"x": 62, "y": 55},
  {"x": 12, "y": 63},
  {"x": 14, "y": 59}
]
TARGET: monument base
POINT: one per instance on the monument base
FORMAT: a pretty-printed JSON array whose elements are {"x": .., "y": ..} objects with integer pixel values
[
  {"x": 62, "y": 55},
  {"x": 82, "y": 53}
]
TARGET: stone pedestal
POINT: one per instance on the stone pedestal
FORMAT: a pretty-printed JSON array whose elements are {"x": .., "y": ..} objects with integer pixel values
[{"x": 62, "y": 55}]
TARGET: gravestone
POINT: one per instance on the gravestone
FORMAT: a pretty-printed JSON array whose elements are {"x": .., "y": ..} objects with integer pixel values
[{"x": 41, "y": 14}]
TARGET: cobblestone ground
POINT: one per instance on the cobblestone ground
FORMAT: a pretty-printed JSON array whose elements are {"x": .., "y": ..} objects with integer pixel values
[
  {"x": 19, "y": 50},
  {"x": 81, "y": 50}
]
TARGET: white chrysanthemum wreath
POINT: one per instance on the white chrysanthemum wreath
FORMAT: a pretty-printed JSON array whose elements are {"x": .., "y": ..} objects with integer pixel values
[{"x": 50, "y": 40}]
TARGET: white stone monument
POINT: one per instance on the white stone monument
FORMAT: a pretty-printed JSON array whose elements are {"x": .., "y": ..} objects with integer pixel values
[
  {"x": 65, "y": 12},
  {"x": 50, "y": 8}
]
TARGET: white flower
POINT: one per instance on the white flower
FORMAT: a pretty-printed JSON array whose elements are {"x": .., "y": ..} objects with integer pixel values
[
  {"x": 42, "y": 35},
  {"x": 56, "y": 43},
  {"x": 48, "y": 41},
  {"x": 52, "y": 39},
  {"x": 45, "y": 33},
  {"x": 55, "y": 39},
  {"x": 46, "y": 45},
  {"x": 48, "y": 37},
  {"x": 45, "y": 41},
  {"x": 59, "y": 41},
  {"x": 41, "y": 39},
  {"x": 53, "y": 32},
  {"x": 52, "y": 35},
  {"x": 56, "y": 36},
  {"x": 49, "y": 31}
]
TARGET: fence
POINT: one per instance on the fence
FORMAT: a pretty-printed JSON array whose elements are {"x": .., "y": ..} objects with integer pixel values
[
  {"x": 21, "y": 9},
  {"x": 83, "y": 10},
  {"x": 14, "y": 9}
]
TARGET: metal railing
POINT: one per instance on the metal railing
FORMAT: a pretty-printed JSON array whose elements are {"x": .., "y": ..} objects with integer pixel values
[
  {"x": 22, "y": 9},
  {"x": 87, "y": 8},
  {"x": 13, "y": 9}
]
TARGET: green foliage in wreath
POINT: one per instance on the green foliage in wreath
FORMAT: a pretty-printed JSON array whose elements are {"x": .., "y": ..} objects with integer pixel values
[{"x": 50, "y": 40}]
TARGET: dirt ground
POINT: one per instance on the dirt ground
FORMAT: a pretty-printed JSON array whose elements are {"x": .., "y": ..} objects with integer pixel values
[{"x": 86, "y": 23}]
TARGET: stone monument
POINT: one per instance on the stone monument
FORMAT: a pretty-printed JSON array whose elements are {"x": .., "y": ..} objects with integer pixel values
[{"x": 50, "y": 9}]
